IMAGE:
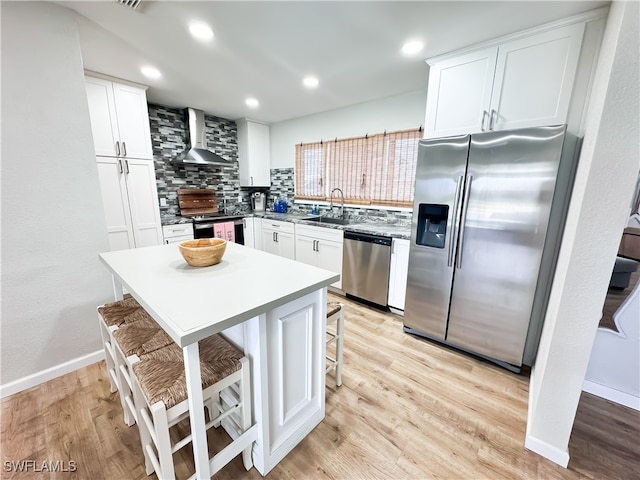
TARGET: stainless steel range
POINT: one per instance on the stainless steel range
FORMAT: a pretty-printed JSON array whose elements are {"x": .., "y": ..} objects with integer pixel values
[
  {"x": 219, "y": 225},
  {"x": 199, "y": 204}
]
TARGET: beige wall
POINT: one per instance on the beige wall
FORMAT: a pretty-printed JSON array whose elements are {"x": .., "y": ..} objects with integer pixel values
[{"x": 603, "y": 189}]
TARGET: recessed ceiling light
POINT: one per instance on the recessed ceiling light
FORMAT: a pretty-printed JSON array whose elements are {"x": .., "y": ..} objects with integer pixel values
[
  {"x": 252, "y": 102},
  {"x": 310, "y": 82},
  {"x": 151, "y": 72},
  {"x": 411, "y": 48},
  {"x": 201, "y": 31}
]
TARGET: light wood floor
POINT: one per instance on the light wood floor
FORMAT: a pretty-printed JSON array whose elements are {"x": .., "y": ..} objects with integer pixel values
[{"x": 407, "y": 408}]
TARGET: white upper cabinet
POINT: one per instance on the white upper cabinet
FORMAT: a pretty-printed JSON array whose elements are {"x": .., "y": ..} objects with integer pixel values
[
  {"x": 523, "y": 82},
  {"x": 254, "y": 154},
  {"x": 459, "y": 94},
  {"x": 119, "y": 119}
]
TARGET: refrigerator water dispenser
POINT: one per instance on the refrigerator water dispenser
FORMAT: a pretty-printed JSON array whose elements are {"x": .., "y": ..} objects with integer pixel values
[{"x": 432, "y": 225}]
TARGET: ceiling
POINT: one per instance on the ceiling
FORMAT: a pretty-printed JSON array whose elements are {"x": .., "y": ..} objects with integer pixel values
[{"x": 264, "y": 49}]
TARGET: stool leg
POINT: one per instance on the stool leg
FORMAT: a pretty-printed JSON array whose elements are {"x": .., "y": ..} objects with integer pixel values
[
  {"x": 143, "y": 428},
  {"x": 245, "y": 415},
  {"x": 339, "y": 347},
  {"x": 161, "y": 423},
  {"x": 121, "y": 368},
  {"x": 107, "y": 344}
]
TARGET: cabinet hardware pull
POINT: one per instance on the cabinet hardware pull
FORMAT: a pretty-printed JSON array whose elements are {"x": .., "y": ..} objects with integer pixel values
[
  {"x": 463, "y": 220},
  {"x": 117, "y": 149},
  {"x": 484, "y": 117},
  {"x": 120, "y": 165},
  {"x": 124, "y": 149},
  {"x": 251, "y": 180},
  {"x": 491, "y": 123},
  {"x": 456, "y": 206},
  {"x": 126, "y": 164},
  {"x": 276, "y": 236}
]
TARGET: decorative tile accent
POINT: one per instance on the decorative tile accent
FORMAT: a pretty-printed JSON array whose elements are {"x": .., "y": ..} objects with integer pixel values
[
  {"x": 169, "y": 139},
  {"x": 283, "y": 184}
]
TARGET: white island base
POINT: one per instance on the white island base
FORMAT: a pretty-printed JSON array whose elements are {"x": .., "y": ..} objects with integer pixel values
[{"x": 272, "y": 307}]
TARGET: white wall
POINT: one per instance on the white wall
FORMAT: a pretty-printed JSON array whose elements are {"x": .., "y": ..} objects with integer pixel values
[
  {"x": 53, "y": 225},
  {"x": 399, "y": 112},
  {"x": 599, "y": 207}
]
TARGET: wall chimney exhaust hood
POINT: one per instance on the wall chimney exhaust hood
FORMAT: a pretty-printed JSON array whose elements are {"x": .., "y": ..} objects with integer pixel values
[{"x": 199, "y": 154}]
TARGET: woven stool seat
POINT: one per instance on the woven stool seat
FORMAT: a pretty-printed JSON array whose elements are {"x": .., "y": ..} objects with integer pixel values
[
  {"x": 114, "y": 313},
  {"x": 140, "y": 335},
  {"x": 333, "y": 307},
  {"x": 161, "y": 373}
]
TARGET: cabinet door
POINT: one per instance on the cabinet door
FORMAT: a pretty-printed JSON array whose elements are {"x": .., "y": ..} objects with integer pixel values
[
  {"x": 254, "y": 153},
  {"x": 330, "y": 258},
  {"x": 115, "y": 202},
  {"x": 249, "y": 232},
  {"x": 269, "y": 243},
  {"x": 133, "y": 121},
  {"x": 295, "y": 341},
  {"x": 534, "y": 79},
  {"x": 286, "y": 244},
  {"x": 398, "y": 270},
  {"x": 143, "y": 201},
  {"x": 459, "y": 94},
  {"x": 305, "y": 250},
  {"x": 102, "y": 113}
]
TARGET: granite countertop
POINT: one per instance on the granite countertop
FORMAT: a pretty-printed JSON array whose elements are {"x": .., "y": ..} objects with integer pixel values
[{"x": 386, "y": 229}]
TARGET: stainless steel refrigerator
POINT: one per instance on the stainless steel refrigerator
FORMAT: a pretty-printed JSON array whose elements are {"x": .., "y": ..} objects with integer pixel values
[{"x": 489, "y": 212}]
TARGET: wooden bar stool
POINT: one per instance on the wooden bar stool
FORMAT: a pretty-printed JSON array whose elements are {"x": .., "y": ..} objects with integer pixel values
[
  {"x": 160, "y": 395},
  {"x": 140, "y": 336},
  {"x": 110, "y": 317},
  {"x": 335, "y": 316}
]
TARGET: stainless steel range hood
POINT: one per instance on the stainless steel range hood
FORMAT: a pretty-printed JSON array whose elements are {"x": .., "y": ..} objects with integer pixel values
[{"x": 199, "y": 154}]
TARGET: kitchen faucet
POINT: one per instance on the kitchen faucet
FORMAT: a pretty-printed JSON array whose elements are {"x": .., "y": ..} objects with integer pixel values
[{"x": 341, "y": 201}]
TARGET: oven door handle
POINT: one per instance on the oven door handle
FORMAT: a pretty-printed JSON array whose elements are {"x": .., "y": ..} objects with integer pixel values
[{"x": 202, "y": 226}]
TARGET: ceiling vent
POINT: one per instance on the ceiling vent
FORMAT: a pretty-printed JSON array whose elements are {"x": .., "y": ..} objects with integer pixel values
[{"x": 133, "y": 4}]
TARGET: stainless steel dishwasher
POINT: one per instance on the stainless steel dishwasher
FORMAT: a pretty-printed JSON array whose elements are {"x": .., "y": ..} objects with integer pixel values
[{"x": 365, "y": 267}]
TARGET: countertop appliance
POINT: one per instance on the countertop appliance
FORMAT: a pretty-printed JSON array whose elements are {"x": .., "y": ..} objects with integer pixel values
[
  {"x": 258, "y": 201},
  {"x": 365, "y": 267},
  {"x": 489, "y": 211}
]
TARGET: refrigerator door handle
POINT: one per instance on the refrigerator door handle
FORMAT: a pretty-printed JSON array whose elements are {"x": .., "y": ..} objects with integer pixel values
[
  {"x": 463, "y": 220},
  {"x": 454, "y": 223},
  {"x": 484, "y": 118}
]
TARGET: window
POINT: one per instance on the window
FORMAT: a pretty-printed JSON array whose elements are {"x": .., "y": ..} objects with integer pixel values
[{"x": 370, "y": 170}]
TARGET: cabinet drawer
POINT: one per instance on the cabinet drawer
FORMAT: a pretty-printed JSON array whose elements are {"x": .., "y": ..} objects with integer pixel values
[
  {"x": 320, "y": 233},
  {"x": 277, "y": 226},
  {"x": 182, "y": 229}
]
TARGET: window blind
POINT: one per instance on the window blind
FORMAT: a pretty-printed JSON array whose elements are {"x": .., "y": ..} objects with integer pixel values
[{"x": 371, "y": 170}]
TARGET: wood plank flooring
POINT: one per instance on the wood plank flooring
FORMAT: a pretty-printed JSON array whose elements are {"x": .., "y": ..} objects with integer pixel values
[{"x": 407, "y": 409}]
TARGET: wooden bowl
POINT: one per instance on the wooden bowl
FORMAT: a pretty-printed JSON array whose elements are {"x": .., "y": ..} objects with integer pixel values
[{"x": 203, "y": 252}]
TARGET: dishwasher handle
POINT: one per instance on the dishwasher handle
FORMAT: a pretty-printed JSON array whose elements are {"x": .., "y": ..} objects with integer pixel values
[{"x": 365, "y": 237}]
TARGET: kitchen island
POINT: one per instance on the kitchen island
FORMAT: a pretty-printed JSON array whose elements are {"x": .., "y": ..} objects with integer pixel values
[{"x": 272, "y": 307}]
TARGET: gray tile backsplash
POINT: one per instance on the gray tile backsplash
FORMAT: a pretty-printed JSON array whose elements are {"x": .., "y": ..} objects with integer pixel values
[{"x": 169, "y": 139}]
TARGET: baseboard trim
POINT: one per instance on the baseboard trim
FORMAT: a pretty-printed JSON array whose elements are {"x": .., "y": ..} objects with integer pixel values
[
  {"x": 611, "y": 394},
  {"x": 561, "y": 457},
  {"x": 50, "y": 373}
]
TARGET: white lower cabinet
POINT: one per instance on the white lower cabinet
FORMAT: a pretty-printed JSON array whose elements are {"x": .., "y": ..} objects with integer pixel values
[
  {"x": 295, "y": 339},
  {"x": 398, "y": 270},
  {"x": 130, "y": 202},
  {"x": 320, "y": 247},
  {"x": 278, "y": 238},
  {"x": 249, "y": 231},
  {"x": 177, "y": 233}
]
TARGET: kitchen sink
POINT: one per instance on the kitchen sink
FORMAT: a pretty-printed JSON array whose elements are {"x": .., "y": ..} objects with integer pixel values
[{"x": 334, "y": 221}]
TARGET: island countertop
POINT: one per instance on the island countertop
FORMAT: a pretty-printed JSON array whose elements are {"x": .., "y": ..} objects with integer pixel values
[{"x": 192, "y": 303}]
